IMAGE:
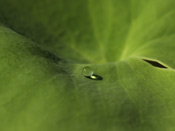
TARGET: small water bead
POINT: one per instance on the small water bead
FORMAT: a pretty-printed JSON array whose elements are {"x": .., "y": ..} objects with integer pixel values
[{"x": 87, "y": 71}]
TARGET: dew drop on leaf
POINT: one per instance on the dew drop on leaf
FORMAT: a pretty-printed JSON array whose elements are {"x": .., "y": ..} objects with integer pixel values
[{"x": 87, "y": 71}]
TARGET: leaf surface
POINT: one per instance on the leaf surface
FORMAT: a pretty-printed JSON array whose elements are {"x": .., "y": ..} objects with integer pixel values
[{"x": 40, "y": 90}]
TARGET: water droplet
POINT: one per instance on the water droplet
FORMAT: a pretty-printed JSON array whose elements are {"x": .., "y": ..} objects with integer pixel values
[{"x": 87, "y": 71}]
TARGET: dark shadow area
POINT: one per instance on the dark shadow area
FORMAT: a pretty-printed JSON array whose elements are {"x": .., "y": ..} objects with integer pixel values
[
  {"x": 94, "y": 77},
  {"x": 39, "y": 51},
  {"x": 155, "y": 63}
]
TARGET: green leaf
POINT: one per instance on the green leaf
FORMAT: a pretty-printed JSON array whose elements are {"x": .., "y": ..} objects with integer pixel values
[{"x": 130, "y": 44}]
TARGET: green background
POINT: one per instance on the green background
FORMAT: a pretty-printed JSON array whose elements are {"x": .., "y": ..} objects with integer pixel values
[{"x": 44, "y": 45}]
